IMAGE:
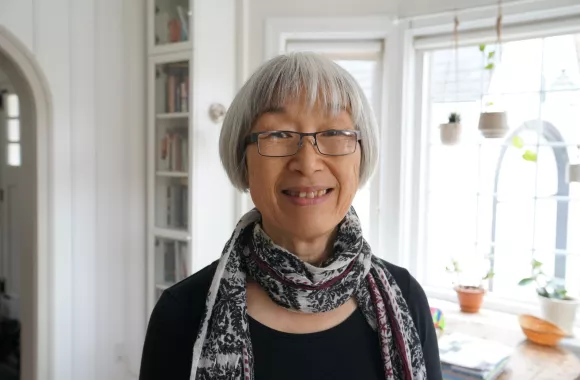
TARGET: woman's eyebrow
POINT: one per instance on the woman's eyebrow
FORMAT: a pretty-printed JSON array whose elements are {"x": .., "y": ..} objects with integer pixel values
[{"x": 274, "y": 110}]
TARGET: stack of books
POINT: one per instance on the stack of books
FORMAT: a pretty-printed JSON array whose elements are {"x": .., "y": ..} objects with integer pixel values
[{"x": 465, "y": 357}]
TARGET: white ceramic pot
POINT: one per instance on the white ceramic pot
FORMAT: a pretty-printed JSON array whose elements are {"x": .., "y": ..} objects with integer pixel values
[
  {"x": 450, "y": 133},
  {"x": 573, "y": 174},
  {"x": 562, "y": 313},
  {"x": 493, "y": 124}
]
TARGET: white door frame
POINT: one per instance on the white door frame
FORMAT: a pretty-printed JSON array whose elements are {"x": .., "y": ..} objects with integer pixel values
[{"x": 36, "y": 311}]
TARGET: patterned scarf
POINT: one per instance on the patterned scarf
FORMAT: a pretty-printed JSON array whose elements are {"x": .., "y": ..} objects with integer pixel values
[{"x": 223, "y": 348}]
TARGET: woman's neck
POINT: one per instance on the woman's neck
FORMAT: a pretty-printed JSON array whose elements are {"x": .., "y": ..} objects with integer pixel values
[{"x": 314, "y": 250}]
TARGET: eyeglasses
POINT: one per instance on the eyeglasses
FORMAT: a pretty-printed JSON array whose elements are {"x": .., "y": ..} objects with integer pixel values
[{"x": 287, "y": 143}]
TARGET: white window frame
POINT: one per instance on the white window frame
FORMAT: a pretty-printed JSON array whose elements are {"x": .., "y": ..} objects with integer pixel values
[
  {"x": 521, "y": 21},
  {"x": 385, "y": 194}
]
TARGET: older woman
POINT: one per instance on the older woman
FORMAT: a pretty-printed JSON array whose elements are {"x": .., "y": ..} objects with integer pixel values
[{"x": 297, "y": 292}]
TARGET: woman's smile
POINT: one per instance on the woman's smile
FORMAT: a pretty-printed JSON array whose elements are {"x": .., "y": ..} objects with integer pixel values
[{"x": 307, "y": 196}]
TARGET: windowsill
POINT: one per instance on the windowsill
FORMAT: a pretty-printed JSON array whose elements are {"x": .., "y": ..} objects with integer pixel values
[{"x": 492, "y": 324}]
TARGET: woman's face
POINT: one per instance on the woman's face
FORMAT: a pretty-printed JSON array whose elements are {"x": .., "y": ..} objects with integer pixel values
[{"x": 276, "y": 182}]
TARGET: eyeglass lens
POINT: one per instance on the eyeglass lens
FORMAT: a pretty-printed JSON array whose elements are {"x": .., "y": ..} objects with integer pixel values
[{"x": 332, "y": 143}]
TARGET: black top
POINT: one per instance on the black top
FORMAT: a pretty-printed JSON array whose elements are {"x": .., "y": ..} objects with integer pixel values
[{"x": 347, "y": 351}]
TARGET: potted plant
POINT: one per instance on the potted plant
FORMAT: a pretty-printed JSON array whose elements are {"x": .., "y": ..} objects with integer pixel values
[
  {"x": 469, "y": 286},
  {"x": 573, "y": 173},
  {"x": 450, "y": 132},
  {"x": 555, "y": 304},
  {"x": 492, "y": 124}
]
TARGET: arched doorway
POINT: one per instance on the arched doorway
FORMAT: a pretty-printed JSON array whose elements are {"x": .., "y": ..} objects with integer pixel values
[{"x": 35, "y": 105}]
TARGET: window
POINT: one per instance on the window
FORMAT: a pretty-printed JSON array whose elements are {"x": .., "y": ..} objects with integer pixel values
[
  {"x": 483, "y": 199},
  {"x": 363, "y": 60},
  {"x": 13, "y": 153}
]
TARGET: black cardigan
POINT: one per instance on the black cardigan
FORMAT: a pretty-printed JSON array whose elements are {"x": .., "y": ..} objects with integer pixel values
[{"x": 174, "y": 323}]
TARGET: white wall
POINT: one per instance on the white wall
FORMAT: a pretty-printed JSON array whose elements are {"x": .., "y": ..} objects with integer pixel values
[
  {"x": 92, "y": 54},
  {"x": 260, "y": 10}
]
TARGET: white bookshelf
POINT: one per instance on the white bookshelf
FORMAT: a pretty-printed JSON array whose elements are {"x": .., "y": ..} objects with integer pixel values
[{"x": 169, "y": 148}]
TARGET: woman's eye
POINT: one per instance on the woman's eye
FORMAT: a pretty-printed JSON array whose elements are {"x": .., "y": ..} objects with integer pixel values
[
  {"x": 279, "y": 135},
  {"x": 333, "y": 133}
]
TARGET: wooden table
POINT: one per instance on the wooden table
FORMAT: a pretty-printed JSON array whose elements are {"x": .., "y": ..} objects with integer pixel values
[{"x": 529, "y": 361}]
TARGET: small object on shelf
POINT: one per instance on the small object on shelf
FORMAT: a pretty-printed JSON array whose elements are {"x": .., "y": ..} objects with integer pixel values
[
  {"x": 450, "y": 132},
  {"x": 438, "y": 320},
  {"x": 540, "y": 331},
  {"x": 493, "y": 125}
]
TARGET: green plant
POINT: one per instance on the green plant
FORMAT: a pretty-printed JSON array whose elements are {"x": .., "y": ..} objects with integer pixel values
[
  {"x": 454, "y": 118},
  {"x": 528, "y": 155},
  {"x": 488, "y": 57},
  {"x": 546, "y": 286},
  {"x": 473, "y": 280}
]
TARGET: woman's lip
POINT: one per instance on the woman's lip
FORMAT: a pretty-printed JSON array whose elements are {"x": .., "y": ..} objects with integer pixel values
[{"x": 298, "y": 201}]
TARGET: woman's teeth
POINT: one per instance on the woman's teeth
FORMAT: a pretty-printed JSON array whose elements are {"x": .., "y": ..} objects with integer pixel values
[{"x": 312, "y": 194}]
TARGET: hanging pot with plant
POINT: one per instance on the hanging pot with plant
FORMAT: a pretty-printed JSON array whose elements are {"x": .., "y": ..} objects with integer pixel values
[
  {"x": 493, "y": 124},
  {"x": 450, "y": 132},
  {"x": 573, "y": 172},
  {"x": 555, "y": 304}
]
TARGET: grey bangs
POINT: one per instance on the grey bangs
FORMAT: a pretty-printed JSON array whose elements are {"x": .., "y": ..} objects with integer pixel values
[{"x": 302, "y": 76}]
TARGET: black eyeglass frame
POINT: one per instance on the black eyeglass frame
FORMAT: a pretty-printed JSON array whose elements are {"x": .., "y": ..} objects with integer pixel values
[{"x": 253, "y": 139}]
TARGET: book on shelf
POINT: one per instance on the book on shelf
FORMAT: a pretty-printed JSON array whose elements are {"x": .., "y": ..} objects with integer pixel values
[
  {"x": 177, "y": 91},
  {"x": 177, "y": 205},
  {"x": 174, "y": 152},
  {"x": 174, "y": 261},
  {"x": 465, "y": 357}
]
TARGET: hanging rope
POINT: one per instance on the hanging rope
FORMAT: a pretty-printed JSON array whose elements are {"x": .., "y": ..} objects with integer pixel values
[
  {"x": 498, "y": 27},
  {"x": 456, "y": 43}
]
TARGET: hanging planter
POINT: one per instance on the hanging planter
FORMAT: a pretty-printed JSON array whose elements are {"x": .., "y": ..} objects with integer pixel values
[
  {"x": 573, "y": 174},
  {"x": 493, "y": 125},
  {"x": 450, "y": 132}
]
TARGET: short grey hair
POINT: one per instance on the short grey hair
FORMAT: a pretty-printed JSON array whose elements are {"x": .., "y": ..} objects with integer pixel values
[{"x": 286, "y": 78}]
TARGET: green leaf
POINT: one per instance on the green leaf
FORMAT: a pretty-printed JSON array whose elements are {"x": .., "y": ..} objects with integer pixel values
[
  {"x": 491, "y": 55},
  {"x": 518, "y": 142},
  {"x": 560, "y": 293},
  {"x": 543, "y": 292},
  {"x": 530, "y": 156},
  {"x": 489, "y": 66},
  {"x": 481, "y": 47},
  {"x": 536, "y": 264},
  {"x": 526, "y": 281},
  {"x": 489, "y": 275}
]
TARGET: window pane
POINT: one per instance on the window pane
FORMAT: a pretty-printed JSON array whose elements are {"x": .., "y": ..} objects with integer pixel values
[
  {"x": 505, "y": 197},
  {"x": 12, "y": 105},
  {"x": 13, "y": 130},
  {"x": 365, "y": 73},
  {"x": 14, "y": 154}
]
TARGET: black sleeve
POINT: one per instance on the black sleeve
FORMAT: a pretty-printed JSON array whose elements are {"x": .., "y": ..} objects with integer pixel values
[
  {"x": 421, "y": 314},
  {"x": 167, "y": 352}
]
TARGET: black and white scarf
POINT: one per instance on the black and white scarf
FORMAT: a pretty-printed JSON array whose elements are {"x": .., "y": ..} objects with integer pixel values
[{"x": 223, "y": 348}]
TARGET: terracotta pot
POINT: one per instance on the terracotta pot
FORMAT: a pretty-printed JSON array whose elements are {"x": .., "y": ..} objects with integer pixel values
[
  {"x": 493, "y": 124},
  {"x": 470, "y": 298},
  {"x": 450, "y": 133}
]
